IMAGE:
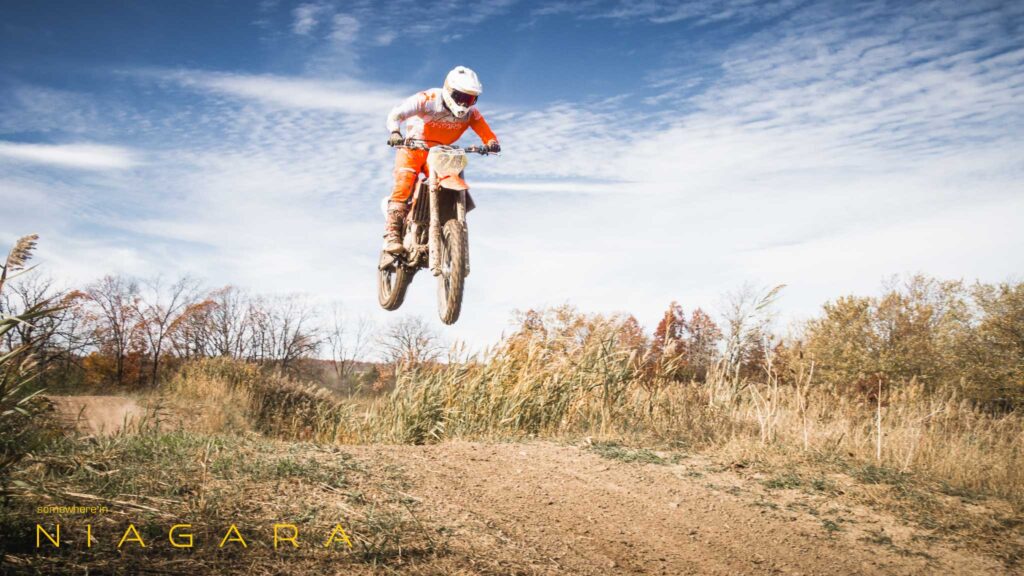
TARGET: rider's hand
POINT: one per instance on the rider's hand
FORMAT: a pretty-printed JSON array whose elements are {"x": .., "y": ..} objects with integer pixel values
[
  {"x": 493, "y": 147},
  {"x": 395, "y": 139}
]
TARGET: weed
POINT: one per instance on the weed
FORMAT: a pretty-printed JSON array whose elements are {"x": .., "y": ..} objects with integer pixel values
[
  {"x": 762, "y": 503},
  {"x": 615, "y": 451},
  {"x": 830, "y": 526},
  {"x": 961, "y": 492},
  {"x": 823, "y": 485},
  {"x": 783, "y": 482},
  {"x": 877, "y": 537},
  {"x": 872, "y": 474}
]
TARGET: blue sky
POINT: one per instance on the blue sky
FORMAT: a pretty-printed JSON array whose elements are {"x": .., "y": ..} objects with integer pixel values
[{"x": 654, "y": 151}]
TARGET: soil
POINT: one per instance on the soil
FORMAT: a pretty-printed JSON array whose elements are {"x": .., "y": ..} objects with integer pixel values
[
  {"x": 550, "y": 508},
  {"x": 545, "y": 508},
  {"x": 98, "y": 415}
]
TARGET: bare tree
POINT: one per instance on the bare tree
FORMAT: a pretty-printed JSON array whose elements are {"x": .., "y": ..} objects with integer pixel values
[
  {"x": 191, "y": 332},
  {"x": 230, "y": 320},
  {"x": 409, "y": 341},
  {"x": 748, "y": 317},
  {"x": 283, "y": 329},
  {"x": 115, "y": 298},
  {"x": 157, "y": 311},
  {"x": 23, "y": 293},
  {"x": 347, "y": 340},
  {"x": 58, "y": 338}
]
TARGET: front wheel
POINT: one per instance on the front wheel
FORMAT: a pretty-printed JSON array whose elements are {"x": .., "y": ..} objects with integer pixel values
[
  {"x": 450, "y": 283},
  {"x": 392, "y": 282}
]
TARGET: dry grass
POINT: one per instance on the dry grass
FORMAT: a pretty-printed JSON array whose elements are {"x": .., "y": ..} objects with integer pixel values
[
  {"x": 932, "y": 459},
  {"x": 919, "y": 455},
  {"x": 155, "y": 479},
  {"x": 557, "y": 386},
  {"x": 223, "y": 395},
  {"x": 532, "y": 387}
]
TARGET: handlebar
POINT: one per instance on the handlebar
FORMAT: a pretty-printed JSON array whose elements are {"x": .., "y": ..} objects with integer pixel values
[{"x": 417, "y": 144}]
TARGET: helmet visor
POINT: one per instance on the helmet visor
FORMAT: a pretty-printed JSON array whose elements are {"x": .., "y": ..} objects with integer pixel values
[{"x": 463, "y": 99}]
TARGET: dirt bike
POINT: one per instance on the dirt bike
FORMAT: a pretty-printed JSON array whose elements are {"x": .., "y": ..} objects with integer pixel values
[{"x": 435, "y": 234}]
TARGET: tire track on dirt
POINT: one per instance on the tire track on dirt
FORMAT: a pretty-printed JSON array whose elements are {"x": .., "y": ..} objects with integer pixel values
[{"x": 543, "y": 508}]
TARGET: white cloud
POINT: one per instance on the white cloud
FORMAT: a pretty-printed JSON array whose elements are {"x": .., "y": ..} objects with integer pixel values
[
  {"x": 385, "y": 38},
  {"x": 81, "y": 156},
  {"x": 556, "y": 186},
  {"x": 825, "y": 152},
  {"x": 307, "y": 17},
  {"x": 32, "y": 108},
  {"x": 661, "y": 12},
  {"x": 349, "y": 96},
  {"x": 344, "y": 29}
]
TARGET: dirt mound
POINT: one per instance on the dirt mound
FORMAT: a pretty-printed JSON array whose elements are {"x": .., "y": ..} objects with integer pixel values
[
  {"x": 543, "y": 508},
  {"x": 99, "y": 415}
]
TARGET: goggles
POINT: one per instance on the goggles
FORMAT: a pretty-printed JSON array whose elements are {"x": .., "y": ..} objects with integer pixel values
[{"x": 463, "y": 99}]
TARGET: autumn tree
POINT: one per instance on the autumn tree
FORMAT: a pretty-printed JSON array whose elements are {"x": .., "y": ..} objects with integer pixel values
[
  {"x": 60, "y": 337},
  {"x": 157, "y": 310},
  {"x": 937, "y": 333},
  {"x": 191, "y": 333},
  {"x": 631, "y": 336},
  {"x": 701, "y": 343},
  {"x": 992, "y": 355},
  {"x": 668, "y": 336},
  {"x": 684, "y": 349},
  {"x": 116, "y": 321},
  {"x": 668, "y": 349}
]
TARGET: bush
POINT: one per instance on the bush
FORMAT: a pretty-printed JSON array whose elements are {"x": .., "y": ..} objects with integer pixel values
[
  {"x": 940, "y": 334},
  {"x": 992, "y": 354},
  {"x": 227, "y": 395}
]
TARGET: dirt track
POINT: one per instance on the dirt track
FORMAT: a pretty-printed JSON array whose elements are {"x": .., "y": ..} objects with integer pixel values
[
  {"x": 97, "y": 414},
  {"x": 547, "y": 508},
  {"x": 543, "y": 508}
]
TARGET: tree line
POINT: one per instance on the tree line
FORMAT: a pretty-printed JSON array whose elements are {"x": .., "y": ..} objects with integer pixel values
[
  {"x": 122, "y": 331},
  {"x": 127, "y": 332}
]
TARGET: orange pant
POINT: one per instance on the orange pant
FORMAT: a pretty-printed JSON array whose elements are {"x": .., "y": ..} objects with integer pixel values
[{"x": 408, "y": 165}]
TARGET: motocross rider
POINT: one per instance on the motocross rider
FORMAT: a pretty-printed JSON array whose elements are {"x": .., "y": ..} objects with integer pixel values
[{"x": 437, "y": 116}]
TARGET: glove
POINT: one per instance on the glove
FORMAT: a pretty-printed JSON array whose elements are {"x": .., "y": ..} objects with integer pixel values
[
  {"x": 395, "y": 139},
  {"x": 493, "y": 147}
]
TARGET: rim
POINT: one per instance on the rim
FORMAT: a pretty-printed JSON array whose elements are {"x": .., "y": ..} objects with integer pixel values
[
  {"x": 388, "y": 283},
  {"x": 446, "y": 271}
]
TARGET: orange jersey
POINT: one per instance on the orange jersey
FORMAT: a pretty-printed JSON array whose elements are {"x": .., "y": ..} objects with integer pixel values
[{"x": 426, "y": 118}]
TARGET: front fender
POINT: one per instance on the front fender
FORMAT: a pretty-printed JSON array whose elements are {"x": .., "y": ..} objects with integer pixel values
[{"x": 453, "y": 182}]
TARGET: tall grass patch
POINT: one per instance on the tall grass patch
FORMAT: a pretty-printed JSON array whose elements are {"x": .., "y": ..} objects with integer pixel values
[
  {"x": 225, "y": 395},
  {"x": 571, "y": 375}
]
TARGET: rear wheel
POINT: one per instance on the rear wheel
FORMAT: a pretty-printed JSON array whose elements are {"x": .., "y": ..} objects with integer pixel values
[
  {"x": 392, "y": 281},
  {"x": 450, "y": 283}
]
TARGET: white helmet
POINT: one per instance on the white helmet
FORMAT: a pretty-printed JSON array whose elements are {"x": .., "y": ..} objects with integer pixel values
[{"x": 461, "y": 88}]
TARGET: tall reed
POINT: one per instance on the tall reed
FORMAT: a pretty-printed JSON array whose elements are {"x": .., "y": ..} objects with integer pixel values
[
  {"x": 575, "y": 377},
  {"x": 584, "y": 382}
]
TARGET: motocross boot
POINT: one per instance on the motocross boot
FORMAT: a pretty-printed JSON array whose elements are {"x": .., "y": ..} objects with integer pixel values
[{"x": 393, "y": 227}]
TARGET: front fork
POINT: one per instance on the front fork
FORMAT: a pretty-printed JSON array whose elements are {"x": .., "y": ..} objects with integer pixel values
[{"x": 435, "y": 226}]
